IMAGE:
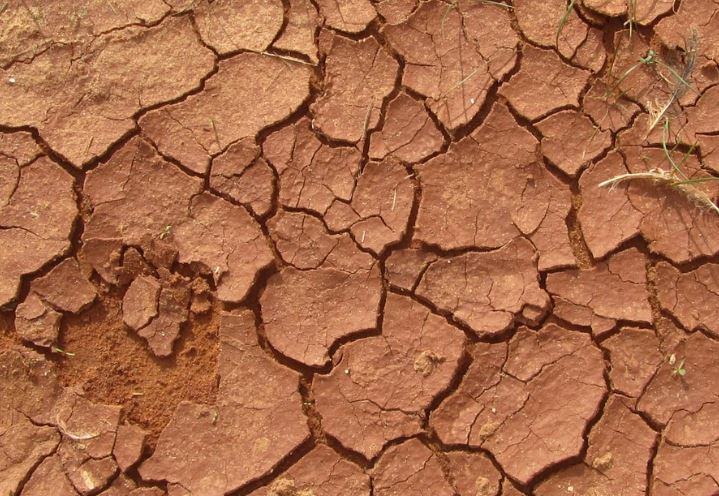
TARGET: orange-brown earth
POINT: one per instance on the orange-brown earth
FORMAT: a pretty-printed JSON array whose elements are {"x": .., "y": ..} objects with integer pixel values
[{"x": 356, "y": 247}]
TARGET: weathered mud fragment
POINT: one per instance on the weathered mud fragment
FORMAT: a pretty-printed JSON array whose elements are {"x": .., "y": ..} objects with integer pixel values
[
  {"x": 36, "y": 217},
  {"x": 212, "y": 450},
  {"x": 571, "y": 141},
  {"x": 674, "y": 30},
  {"x": 686, "y": 462},
  {"x": 487, "y": 291},
  {"x": 612, "y": 290},
  {"x": 620, "y": 449},
  {"x": 404, "y": 267},
  {"x": 410, "y": 468},
  {"x": 454, "y": 54},
  {"x": 482, "y": 193},
  {"x": 609, "y": 109},
  {"x": 129, "y": 443},
  {"x": 635, "y": 355},
  {"x": 351, "y": 16},
  {"x": 229, "y": 26},
  {"x": 304, "y": 243},
  {"x": 538, "y": 20},
  {"x": 642, "y": 12},
  {"x": 378, "y": 213},
  {"x": 408, "y": 134},
  {"x": 156, "y": 308},
  {"x": 158, "y": 204},
  {"x": 473, "y": 474},
  {"x": 607, "y": 217},
  {"x": 380, "y": 386},
  {"x": 299, "y": 33},
  {"x": 543, "y": 83},
  {"x": 31, "y": 27},
  {"x": 321, "y": 472},
  {"x": 36, "y": 322},
  {"x": 86, "y": 107},
  {"x": 311, "y": 174},
  {"x": 691, "y": 297},
  {"x": 241, "y": 174},
  {"x": 668, "y": 393},
  {"x": 49, "y": 478},
  {"x": 262, "y": 88},
  {"x": 358, "y": 76},
  {"x": 65, "y": 288},
  {"x": 530, "y": 414},
  {"x": 395, "y": 11},
  {"x": 306, "y": 312}
]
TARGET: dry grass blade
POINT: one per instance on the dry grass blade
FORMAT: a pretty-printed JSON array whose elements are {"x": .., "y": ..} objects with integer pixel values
[
  {"x": 673, "y": 178},
  {"x": 565, "y": 18}
]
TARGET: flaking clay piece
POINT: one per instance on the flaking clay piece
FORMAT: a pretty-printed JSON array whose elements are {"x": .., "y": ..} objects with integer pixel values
[
  {"x": 530, "y": 414},
  {"x": 215, "y": 449},
  {"x": 454, "y": 53},
  {"x": 381, "y": 385},
  {"x": 410, "y": 468}
]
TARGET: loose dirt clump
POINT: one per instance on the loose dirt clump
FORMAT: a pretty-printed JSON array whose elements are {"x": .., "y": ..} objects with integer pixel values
[{"x": 359, "y": 247}]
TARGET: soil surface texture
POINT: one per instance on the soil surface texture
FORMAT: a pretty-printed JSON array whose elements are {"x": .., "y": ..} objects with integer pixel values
[{"x": 359, "y": 248}]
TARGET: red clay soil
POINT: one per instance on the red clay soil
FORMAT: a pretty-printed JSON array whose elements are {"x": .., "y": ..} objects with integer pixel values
[{"x": 358, "y": 247}]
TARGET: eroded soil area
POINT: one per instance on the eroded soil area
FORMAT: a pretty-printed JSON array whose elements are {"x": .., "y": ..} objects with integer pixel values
[{"x": 358, "y": 247}]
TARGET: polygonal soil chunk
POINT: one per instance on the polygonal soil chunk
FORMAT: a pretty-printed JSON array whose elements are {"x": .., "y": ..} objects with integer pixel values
[
  {"x": 304, "y": 243},
  {"x": 453, "y": 55},
  {"x": 226, "y": 241},
  {"x": 686, "y": 462},
  {"x": 321, "y": 472},
  {"x": 379, "y": 210},
  {"x": 299, "y": 33},
  {"x": 530, "y": 414},
  {"x": 607, "y": 108},
  {"x": 635, "y": 355},
  {"x": 83, "y": 110},
  {"x": 306, "y": 312},
  {"x": 16, "y": 150},
  {"x": 358, "y": 76},
  {"x": 49, "y": 478},
  {"x": 36, "y": 218},
  {"x": 570, "y": 140},
  {"x": 673, "y": 30},
  {"x": 242, "y": 175},
  {"x": 229, "y": 26},
  {"x": 620, "y": 449},
  {"x": 381, "y": 385},
  {"x": 691, "y": 297},
  {"x": 487, "y": 291},
  {"x": 157, "y": 203},
  {"x": 395, "y": 11},
  {"x": 158, "y": 309},
  {"x": 482, "y": 193},
  {"x": 23, "y": 446},
  {"x": 408, "y": 133},
  {"x": 591, "y": 54},
  {"x": 129, "y": 444},
  {"x": 607, "y": 218},
  {"x": 404, "y": 267},
  {"x": 546, "y": 23},
  {"x": 670, "y": 392},
  {"x": 87, "y": 475},
  {"x": 473, "y": 474},
  {"x": 65, "y": 288},
  {"x": 677, "y": 222},
  {"x": 213, "y": 450},
  {"x": 312, "y": 174},
  {"x": 33, "y": 26},
  {"x": 36, "y": 322},
  {"x": 261, "y": 88},
  {"x": 410, "y": 468},
  {"x": 612, "y": 290},
  {"x": 543, "y": 83},
  {"x": 351, "y": 16}
]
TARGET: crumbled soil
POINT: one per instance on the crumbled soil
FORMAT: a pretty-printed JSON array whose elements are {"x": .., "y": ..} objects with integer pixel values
[{"x": 358, "y": 247}]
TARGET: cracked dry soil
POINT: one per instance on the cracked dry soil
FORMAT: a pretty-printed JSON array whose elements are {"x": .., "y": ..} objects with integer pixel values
[{"x": 355, "y": 248}]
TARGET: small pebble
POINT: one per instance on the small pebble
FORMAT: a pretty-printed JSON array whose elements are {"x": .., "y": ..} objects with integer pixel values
[
  {"x": 347, "y": 371},
  {"x": 11, "y": 80}
]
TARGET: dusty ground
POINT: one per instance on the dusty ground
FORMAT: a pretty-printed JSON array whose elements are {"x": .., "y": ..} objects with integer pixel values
[{"x": 354, "y": 247}]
